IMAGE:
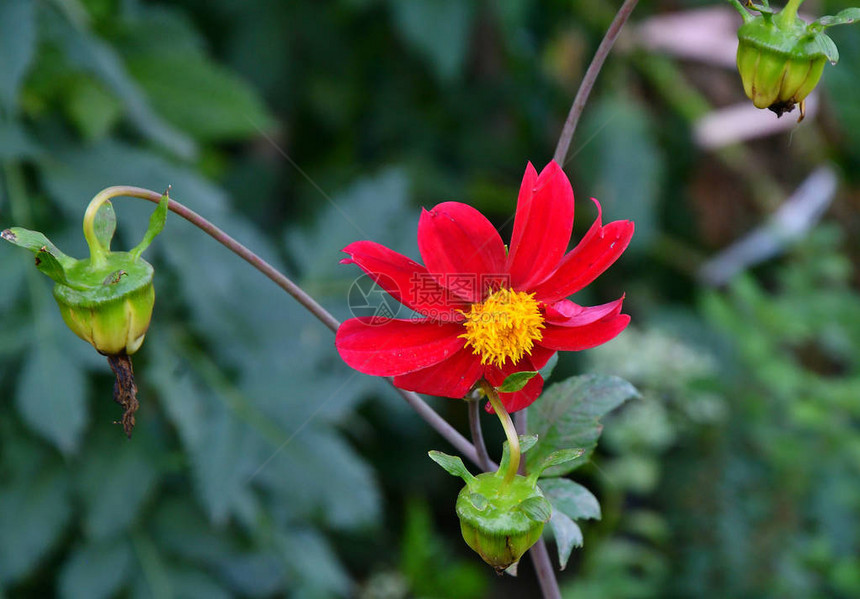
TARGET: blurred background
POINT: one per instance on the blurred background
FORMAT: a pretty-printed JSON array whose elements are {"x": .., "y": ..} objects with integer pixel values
[{"x": 261, "y": 466}]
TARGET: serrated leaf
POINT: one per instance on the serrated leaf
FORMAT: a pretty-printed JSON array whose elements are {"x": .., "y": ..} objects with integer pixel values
[
  {"x": 51, "y": 396},
  {"x": 95, "y": 570},
  {"x": 844, "y": 17},
  {"x": 17, "y": 46},
  {"x": 516, "y": 381},
  {"x": 310, "y": 560},
  {"x": 827, "y": 47},
  {"x": 568, "y": 414},
  {"x": 571, "y": 498},
  {"x": 156, "y": 225},
  {"x": 536, "y": 508},
  {"x": 567, "y": 536},
  {"x": 104, "y": 224},
  {"x": 452, "y": 464},
  {"x": 33, "y": 514}
]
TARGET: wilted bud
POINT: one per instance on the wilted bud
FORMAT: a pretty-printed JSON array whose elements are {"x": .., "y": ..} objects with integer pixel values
[
  {"x": 106, "y": 299},
  {"x": 781, "y": 57}
]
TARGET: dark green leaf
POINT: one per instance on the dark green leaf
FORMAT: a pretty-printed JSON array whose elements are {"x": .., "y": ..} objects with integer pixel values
[
  {"x": 201, "y": 97},
  {"x": 567, "y": 536},
  {"x": 536, "y": 508},
  {"x": 51, "y": 395},
  {"x": 310, "y": 559},
  {"x": 571, "y": 498},
  {"x": 516, "y": 381},
  {"x": 33, "y": 514},
  {"x": 438, "y": 29},
  {"x": 95, "y": 570},
  {"x": 17, "y": 45},
  {"x": 546, "y": 371},
  {"x": 567, "y": 416}
]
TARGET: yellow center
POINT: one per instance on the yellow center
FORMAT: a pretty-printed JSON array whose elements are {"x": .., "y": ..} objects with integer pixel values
[{"x": 506, "y": 325}]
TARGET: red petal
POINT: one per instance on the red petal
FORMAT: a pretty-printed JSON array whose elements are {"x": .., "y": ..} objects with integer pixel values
[
  {"x": 542, "y": 226},
  {"x": 600, "y": 247},
  {"x": 452, "y": 378},
  {"x": 405, "y": 280},
  {"x": 461, "y": 249},
  {"x": 563, "y": 338},
  {"x": 519, "y": 399},
  {"x": 540, "y": 356},
  {"x": 568, "y": 314},
  {"x": 396, "y": 346}
]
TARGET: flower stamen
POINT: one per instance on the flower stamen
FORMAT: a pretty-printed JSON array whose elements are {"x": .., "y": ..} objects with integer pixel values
[{"x": 505, "y": 326}]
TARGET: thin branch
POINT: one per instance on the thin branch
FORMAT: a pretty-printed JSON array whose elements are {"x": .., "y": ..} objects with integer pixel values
[
  {"x": 419, "y": 405},
  {"x": 544, "y": 571},
  {"x": 589, "y": 79},
  {"x": 478, "y": 436}
]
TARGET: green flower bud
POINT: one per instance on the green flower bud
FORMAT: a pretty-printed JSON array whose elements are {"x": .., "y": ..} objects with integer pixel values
[
  {"x": 781, "y": 57},
  {"x": 106, "y": 299},
  {"x": 501, "y": 524}
]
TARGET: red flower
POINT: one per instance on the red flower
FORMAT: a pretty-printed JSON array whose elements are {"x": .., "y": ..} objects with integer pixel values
[{"x": 487, "y": 313}]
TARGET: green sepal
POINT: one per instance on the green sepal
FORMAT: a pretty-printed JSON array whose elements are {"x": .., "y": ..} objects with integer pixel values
[
  {"x": 480, "y": 502},
  {"x": 156, "y": 226},
  {"x": 827, "y": 47},
  {"x": 516, "y": 381},
  {"x": 104, "y": 225},
  {"x": 844, "y": 17},
  {"x": 49, "y": 259},
  {"x": 537, "y": 508},
  {"x": 526, "y": 443},
  {"x": 452, "y": 464},
  {"x": 562, "y": 456}
]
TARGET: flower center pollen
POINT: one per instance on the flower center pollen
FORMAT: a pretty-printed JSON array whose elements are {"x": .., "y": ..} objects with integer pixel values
[{"x": 505, "y": 326}]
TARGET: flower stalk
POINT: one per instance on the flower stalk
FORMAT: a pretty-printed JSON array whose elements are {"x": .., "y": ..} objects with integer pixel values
[{"x": 510, "y": 432}]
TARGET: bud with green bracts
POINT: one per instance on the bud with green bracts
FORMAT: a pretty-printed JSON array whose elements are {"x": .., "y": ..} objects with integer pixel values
[
  {"x": 501, "y": 519},
  {"x": 106, "y": 299},
  {"x": 781, "y": 58}
]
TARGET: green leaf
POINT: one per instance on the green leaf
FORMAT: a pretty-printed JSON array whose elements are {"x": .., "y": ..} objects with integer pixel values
[
  {"x": 570, "y": 498},
  {"x": 827, "y": 47},
  {"x": 91, "y": 107},
  {"x": 452, "y": 464},
  {"x": 844, "y": 17},
  {"x": 516, "y": 381},
  {"x": 49, "y": 260},
  {"x": 33, "y": 515},
  {"x": 104, "y": 224},
  {"x": 156, "y": 226},
  {"x": 567, "y": 536},
  {"x": 546, "y": 371},
  {"x": 51, "y": 395},
  {"x": 536, "y": 508},
  {"x": 568, "y": 414},
  {"x": 133, "y": 475},
  {"x": 95, "y": 570},
  {"x": 310, "y": 559},
  {"x": 438, "y": 29},
  {"x": 556, "y": 458},
  {"x": 17, "y": 46},
  {"x": 201, "y": 97}
]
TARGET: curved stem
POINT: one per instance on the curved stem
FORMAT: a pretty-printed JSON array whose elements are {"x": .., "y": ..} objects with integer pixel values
[
  {"x": 427, "y": 413},
  {"x": 787, "y": 15},
  {"x": 589, "y": 79},
  {"x": 478, "y": 436},
  {"x": 510, "y": 432}
]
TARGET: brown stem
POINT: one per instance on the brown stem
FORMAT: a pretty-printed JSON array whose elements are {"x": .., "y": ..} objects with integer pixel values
[
  {"x": 419, "y": 405},
  {"x": 589, "y": 79},
  {"x": 478, "y": 436},
  {"x": 124, "y": 390}
]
